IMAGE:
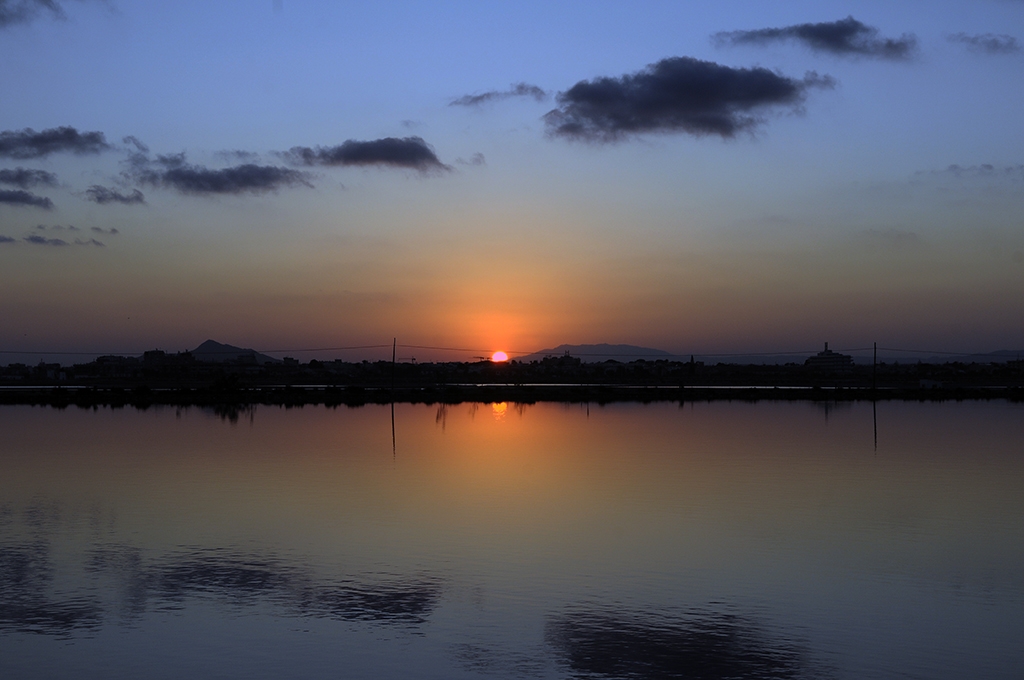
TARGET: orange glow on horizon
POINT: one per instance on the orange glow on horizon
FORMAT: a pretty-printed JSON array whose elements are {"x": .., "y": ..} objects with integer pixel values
[{"x": 499, "y": 356}]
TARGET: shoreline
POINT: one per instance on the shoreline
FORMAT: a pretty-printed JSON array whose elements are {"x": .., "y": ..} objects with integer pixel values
[{"x": 288, "y": 396}]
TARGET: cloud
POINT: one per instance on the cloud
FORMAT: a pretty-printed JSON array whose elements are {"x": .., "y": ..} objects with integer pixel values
[
  {"x": 237, "y": 156},
  {"x": 6, "y": 239},
  {"x": 982, "y": 171},
  {"x": 39, "y": 240},
  {"x": 476, "y": 159},
  {"x": 27, "y": 178},
  {"x": 405, "y": 152},
  {"x": 28, "y": 143},
  {"x": 134, "y": 141},
  {"x": 103, "y": 195},
  {"x": 515, "y": 90},
  {"x": 172, "y": 171},
  {"x": 100, "y": 230},
  {"x": 987, "y": 43},
  {"x": 20, "y": 197},
  {"x": 247, "y": 178},
  {"x": 846, "y": 37},
  {"x": 678, "y": 94},
  {"x": 24, "y": 11},
  {"x": 43, "y": 241},
  {"x": 57, "y": 227}
]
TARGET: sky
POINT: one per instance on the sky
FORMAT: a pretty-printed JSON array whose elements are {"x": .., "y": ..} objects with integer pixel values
[{"x": 298, "y": 175}]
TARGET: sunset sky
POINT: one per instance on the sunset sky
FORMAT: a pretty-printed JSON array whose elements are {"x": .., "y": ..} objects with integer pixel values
[{"x": 739, "y": 176}]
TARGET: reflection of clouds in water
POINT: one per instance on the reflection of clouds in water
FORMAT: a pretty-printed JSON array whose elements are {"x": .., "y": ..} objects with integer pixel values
[
  {"x": 26, "y": 571},
  {"x": 43, "y": 515},
  {"x": 239, "y": 579},
  {"x": 122, "y": 566},
  {"x": 706, "y": 645},
  {"x": 248, "y": 580},
  {"x": 227, "y": 577},
  {"x": 394, "y": 602},
  {"x": 490, "y": 660}
]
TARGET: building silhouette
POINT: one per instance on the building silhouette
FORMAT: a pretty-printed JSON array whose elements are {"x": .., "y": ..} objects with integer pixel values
[{"x": 827, "y": 360}]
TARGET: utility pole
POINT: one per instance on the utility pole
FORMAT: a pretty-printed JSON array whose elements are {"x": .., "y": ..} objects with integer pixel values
[{"x": 394, "y": 349}]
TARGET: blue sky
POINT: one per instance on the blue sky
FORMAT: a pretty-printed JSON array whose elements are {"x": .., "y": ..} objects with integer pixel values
[{"x": 880, "y": 202}]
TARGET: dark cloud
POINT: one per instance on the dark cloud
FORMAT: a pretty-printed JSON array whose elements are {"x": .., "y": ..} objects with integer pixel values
[
  {"x": 27, "y": 178},
  {"x": 678, "y": 94},
  {"x": 247, "y": 178},
  {"x": 846, "y": 37},
  {"x": 28, "y": 143},
  {"x": 40, "y": 240},
  {"x": 43, "y": 241},
  {"x": 24, "y": 11},
  {"x": 99, "y": 230},
  {"x": 987, "y": 43},
  {"x": 20, "y": 197},
  {"x": 172, "y": 171},
  {"x": 405, "y": 152},
  {"x": 104, "y": 195},
  {"x": 515, "y": 90},
  {"x": 134, "y": 141}
]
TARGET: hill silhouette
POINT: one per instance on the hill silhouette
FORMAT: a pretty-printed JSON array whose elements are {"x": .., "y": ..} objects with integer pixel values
[
  {"x": 218, "y": 352},
  {"x": 600, "y": 352}
]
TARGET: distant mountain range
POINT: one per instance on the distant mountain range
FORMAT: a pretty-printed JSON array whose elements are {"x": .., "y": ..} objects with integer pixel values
[
  {"x": 214, "y": 351},
  {"x": 627, "y": 353},
  {"x": 601, "y": 352}
]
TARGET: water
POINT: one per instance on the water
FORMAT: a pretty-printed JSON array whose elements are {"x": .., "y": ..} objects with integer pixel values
[{"x": 767, "y": 540}]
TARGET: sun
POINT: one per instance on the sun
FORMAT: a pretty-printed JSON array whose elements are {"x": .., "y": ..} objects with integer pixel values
[{"x": 499, "y": 356}]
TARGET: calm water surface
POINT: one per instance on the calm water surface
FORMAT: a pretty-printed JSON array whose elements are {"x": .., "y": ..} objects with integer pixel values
[{"x": 724, "y": 540}]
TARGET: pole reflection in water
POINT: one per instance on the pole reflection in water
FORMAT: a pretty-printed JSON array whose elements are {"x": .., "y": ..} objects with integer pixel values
[{"x": 554, "y": 541}]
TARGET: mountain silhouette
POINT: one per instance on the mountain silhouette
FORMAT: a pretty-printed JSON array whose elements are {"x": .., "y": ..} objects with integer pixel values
[
  {"x": 600, "y": 352},
  {"x": 214, "y": 351}
]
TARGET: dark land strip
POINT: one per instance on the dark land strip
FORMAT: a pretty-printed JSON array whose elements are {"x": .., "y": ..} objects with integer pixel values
[{"x": 157, "y": 378}]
